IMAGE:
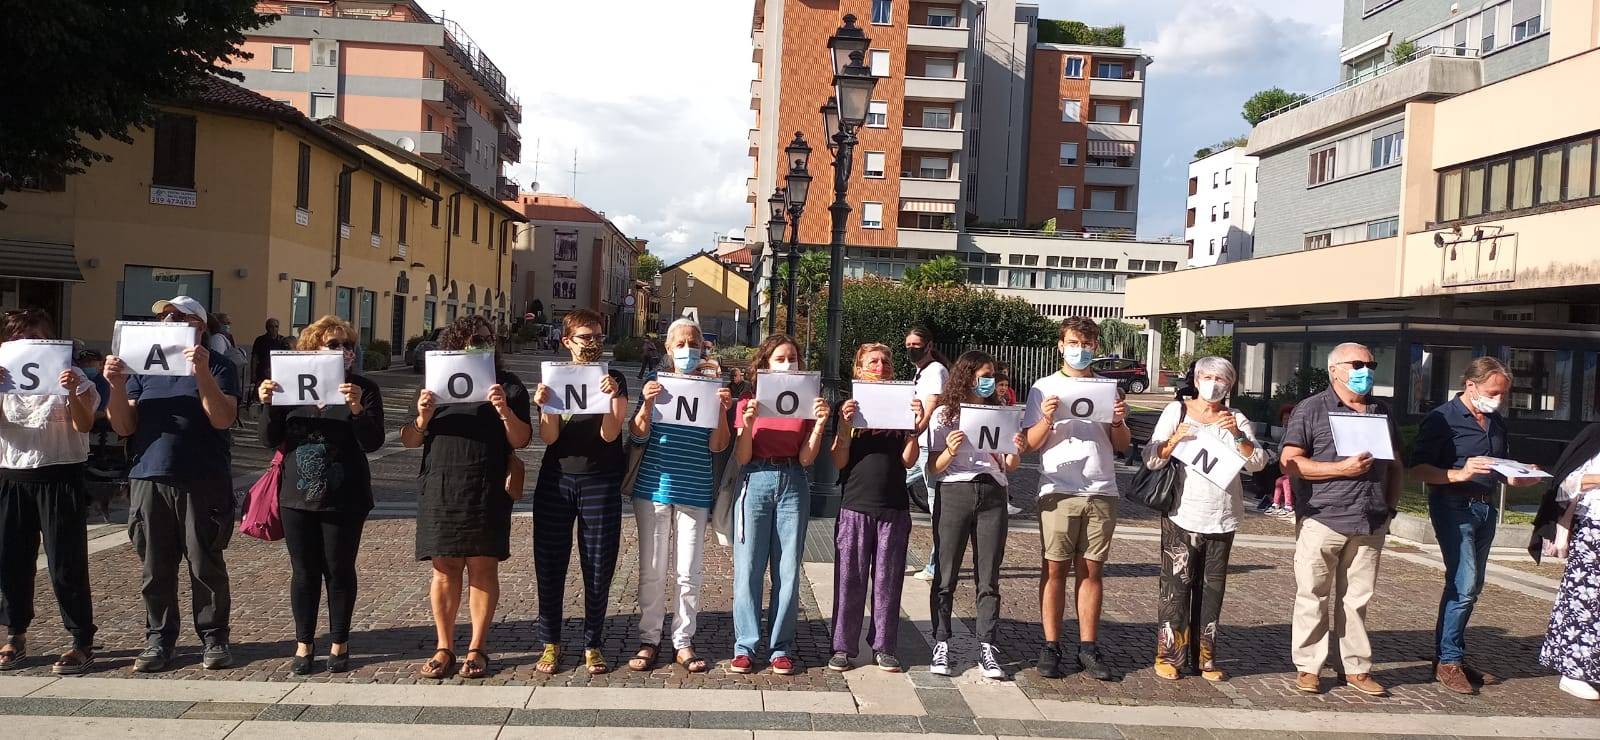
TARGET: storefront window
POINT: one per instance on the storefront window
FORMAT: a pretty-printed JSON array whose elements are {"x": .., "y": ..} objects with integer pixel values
[
  {"x": 143, "y": 286},
  {"x": 1252, "y": 368},
  {"x": 1591, "y": 374},
  {"x": 341, "y": 303},
  {"x": 1542, "y": 383},
  {"x": 1285, "y": 367},
  {"x": 300, "y": 306},
  {"x": 1436, "y": 372}
]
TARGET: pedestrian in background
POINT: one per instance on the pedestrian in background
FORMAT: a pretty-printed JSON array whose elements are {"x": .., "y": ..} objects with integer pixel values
[
  {"x": 260, "y": 350},
  {"x": 1568, "y": 526},
  {"x": 324, "y": 493},
  {"x": 932, "y": 370},
  {"x": 650, "y": 359}
]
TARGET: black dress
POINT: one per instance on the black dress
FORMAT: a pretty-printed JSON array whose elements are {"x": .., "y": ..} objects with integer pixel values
[
  {"x": 325, "y": 451},
  {"x": 463, "y": 510}
]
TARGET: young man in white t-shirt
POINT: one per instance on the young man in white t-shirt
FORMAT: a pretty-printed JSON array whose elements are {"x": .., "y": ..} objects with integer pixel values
[
  {"x": 1077, "y": 497},
  {"x": 932, "y": 371}
]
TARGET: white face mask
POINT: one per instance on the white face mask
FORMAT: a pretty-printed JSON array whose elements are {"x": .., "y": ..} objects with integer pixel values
[
  {"x": 1211, "y": 390},
  {"x": 781, "y": 366},
  {"x": 1486, "y": 405}
]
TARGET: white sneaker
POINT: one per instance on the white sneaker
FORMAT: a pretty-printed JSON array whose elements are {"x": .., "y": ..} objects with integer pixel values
[
  {"x": 1573, "y": 686},
  {"x": 1013, "y": 510},
  {"x": 924, "y": 575},
  {"x": 989, "y": 660},
  {"x": 940, "y": 664}
]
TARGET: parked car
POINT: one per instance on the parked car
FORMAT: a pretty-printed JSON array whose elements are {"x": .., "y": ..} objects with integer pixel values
[
  {"x": 419, "y": 353},
  {"x": 1129, "y": 374}
]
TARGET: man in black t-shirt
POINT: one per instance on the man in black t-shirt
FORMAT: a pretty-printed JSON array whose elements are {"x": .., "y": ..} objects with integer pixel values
[{"x": 260, "y": 357}]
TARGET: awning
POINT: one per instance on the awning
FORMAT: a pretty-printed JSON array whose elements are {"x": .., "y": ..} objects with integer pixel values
[
  {"x": 39, "y": 261},
  {"x": 1099, "y": 148},
  {"x": 927, "y": 206}
]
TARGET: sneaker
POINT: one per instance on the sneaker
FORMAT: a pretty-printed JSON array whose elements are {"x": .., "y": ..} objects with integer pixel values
[
  {"x": 1049, "y": 664},
  {"x": 887, "y": 663},
  {"x": 1364, "y": 683},
  {"x": 1580, "y": 689},
  {"x": 839, "y": 662},
  {"x": 154, "y": 659},
  {"x": 783, "y": 665},
  {"x": 939, "y": 665},
  {"x": 1089, "y": 662},
  {"x": 1013, "y": 510},
  {"x": 216, "y": 656},
  {"x": 926, "y": 574},
  {"x": 989, "y": 660},
  {"x": 740, "y": 664}
]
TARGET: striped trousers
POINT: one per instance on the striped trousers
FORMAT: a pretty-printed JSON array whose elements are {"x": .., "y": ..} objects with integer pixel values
[{"x": 595, "y": 502}]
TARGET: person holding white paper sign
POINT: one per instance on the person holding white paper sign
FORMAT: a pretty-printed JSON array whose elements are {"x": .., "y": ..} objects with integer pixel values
[
  {"x": 44, "y": 443},
  {"x": 971, "y": 505},
  {"x": 580, "y": 478},
  {"x": 325, "y": 490},
  {"x": 769, "y": 516},
  {"x": 181, "y": 486},
  {"x": 933, "y": 369},
  {"x": 1197, "y": 535},
  {"x": 1343, "y": 507},
  {"x": 464, "y": 510}
]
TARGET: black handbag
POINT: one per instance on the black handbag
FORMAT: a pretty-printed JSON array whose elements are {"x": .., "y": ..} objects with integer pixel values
[{"x": 1158, "y": 488}]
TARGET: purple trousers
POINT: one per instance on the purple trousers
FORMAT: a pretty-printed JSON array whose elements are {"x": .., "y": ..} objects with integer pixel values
[{"x": 871, "y": 553}]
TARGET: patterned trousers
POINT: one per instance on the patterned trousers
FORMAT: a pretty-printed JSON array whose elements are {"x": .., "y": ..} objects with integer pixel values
[
  {"x": 595, "y": 501},
  {"x": 1194, "y": 575}
]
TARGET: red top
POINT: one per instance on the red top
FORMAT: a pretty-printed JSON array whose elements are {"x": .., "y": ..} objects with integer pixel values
[{"x": 775, "y": 437}]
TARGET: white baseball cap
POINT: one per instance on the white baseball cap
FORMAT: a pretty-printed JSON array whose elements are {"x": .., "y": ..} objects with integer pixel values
[{"x": 182, "y": 304}]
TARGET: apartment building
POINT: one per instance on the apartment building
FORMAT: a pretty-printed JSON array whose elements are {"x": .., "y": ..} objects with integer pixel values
[
  {"x": 1219, "y": 225},
  {"x": 1484, "y": 215},
  {"x": 570, "y": 256},
  {"x": 417, "y": 81}
]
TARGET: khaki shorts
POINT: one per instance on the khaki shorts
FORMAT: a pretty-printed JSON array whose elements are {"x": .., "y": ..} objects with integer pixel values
[{"x": 1077, "y": 526}]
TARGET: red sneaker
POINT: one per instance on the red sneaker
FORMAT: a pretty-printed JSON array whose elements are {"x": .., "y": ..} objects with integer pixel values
[
  {"x": 740, "y": 664},
  {"x": 783, "y": 666}
]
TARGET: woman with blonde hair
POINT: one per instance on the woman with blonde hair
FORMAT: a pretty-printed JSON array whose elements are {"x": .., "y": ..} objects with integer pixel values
[{"x": 325, "y": 492}]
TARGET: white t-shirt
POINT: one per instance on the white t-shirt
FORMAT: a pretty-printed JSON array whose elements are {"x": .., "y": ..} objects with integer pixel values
[
  {"x": 930, "y": 382},
  {"x": 967, "y": 464},
  {"x": 36, "y": 430},
  {"x": 1200, "y": 505},
  {"x": 1077, "y": 457}
]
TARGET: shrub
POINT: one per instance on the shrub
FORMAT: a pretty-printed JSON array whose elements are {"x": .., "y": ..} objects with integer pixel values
[
  {"x": 630, "y": 349},
  {"x": 375, "y": 360},
  {"x": 735, "y": 356},
  {"x": 382, "y": 346},
  {"x": 412, "y": 342},
  {"x": 879, "y": 310}
]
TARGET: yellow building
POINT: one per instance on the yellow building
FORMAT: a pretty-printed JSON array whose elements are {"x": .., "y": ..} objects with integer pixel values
[
  {"x": 258, "y": 212},
  {"x": 715, "y": 292}
]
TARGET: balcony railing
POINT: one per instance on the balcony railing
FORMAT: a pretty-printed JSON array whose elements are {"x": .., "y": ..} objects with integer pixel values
[
  {"x": 461, "y": 46},
  {"x": 1431, "y": 51},
  {"x": 510, "y": 147},
  {"x": 506, "y": 188},
  {"x": 456, "y": 98},
  {"x": 1117, "y": 236},
  {"x": 453, "y": 149}
]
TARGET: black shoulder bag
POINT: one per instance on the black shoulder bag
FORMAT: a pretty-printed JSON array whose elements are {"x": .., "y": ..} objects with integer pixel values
[{"x": 1158, "y": 488}]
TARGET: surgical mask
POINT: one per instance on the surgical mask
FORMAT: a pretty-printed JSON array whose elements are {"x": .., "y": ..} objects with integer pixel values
[
  {"x": 985, "y": 387},
  {"x": 1360, "y": 381},
  {"x": 1486, "y": 405},
  {"x": 781, "y": 366},
  {"x": 1078, "y": 357},
  {"x": 686, "y": 359},
  {"x": 1211, "y": 390},
  {"x": 93, "y": 372}
]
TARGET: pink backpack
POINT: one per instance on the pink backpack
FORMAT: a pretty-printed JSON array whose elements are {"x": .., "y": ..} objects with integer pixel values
[{"x": 261, "y": 519}]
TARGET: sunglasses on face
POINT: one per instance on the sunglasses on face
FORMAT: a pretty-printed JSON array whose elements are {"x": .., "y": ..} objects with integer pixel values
[
  {"x": 1359, "y": 364},
  {"x": 345, "y": 345}
]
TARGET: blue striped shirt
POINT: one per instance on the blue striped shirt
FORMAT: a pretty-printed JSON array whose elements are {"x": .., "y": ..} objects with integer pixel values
[{"x": 676, "y": 467}]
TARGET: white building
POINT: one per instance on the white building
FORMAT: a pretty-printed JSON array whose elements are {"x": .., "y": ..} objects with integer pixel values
[{"x": 1220, "y": 226}]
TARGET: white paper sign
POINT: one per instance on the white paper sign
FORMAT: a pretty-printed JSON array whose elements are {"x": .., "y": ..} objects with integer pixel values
[
  {"x": 459, "y": 376},
  {"x": 688, "y": 400},
  {"x": 1211, "y": 458},
  {"x": 33, "y": 366},
  {"x": 787, "y": 395},
  {"x": 575, "y": 387},
  {"x": 1088, "y": 399},
  {"x": 1514, "y": 469},
  {"x": 307, "y": 378},
  {"x": 991, "y": 428},
  {"x": 153, "y": 347},
  {"x": 884, "y": 404},
  {"x": 1354, "y": 434}
]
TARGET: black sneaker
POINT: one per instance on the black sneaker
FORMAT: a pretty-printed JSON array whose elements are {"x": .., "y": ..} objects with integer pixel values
[
  {"x": 1050, "y": 661},
  {"x": 1089, "y": 661},
  {"x": 839, "y": 662},
  {"x": 154, "y": 659},
  {"x": 216, "y": 656}
]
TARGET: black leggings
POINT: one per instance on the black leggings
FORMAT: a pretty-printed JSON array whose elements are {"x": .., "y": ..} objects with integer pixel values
[{"x": 322, "y": 546}]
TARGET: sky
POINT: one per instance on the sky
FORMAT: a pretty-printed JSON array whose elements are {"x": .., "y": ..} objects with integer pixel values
[{"x": 653, "y": 97}]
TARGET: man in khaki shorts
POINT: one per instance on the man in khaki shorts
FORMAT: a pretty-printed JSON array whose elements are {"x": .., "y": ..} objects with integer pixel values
[{"x": 1077, "y": 497}]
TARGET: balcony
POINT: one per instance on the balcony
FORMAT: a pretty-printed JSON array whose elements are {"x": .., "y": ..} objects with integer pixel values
[
  {"x": 936, "y": 88},
  {"x": 750, "y": 190},
  {"x": 506, "y": 188},
  {"x": 1126, "y": 220},
  {"x": 456, "y": 99},
  {"x": 755, "y": 141},
  {"x": 933, "y": 139},
  {"x": 755, "y": 95},
  {"x": 939, "y": 239},
  {"x": 461, "y": 49},
  {"x": 917, "y": 188},
  {"x": 1119, "y": 176},
  {"x": 937, "y": 38},
  {"x": 510, "y": 147},
  {"x": 1116, "y": 89},
  {"x": 455, "y": 152},
  {"x": 1113, "y": 131},
  {"x": 757, "y": 43}
]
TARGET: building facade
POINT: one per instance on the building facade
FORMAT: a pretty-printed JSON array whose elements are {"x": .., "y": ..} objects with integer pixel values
[
  {"x": 570, "y": 256},
  {"x": 704, "y": 288},
  {"x": 414, "y": 80},
  {"x": 1220, "y": 224}
]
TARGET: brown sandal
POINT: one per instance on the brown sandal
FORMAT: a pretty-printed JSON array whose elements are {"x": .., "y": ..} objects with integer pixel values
[
  {"x": 475, "y": 667},
  {"x": 14, "y": 652},
  {"x": 435, "y": 669},
  {"x": 691, "y": 662},
  {"x": 645, "y": 659},
  {"x": 76, "y": 661}
]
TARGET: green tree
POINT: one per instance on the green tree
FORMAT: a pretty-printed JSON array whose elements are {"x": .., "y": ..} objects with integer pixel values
[
  {"x": 943, "y": 272},
  {"x": 91, "y": 69},
  {"x": 880, "y": 310},
  {"x": 1267, "y": 101},
  {"x": 1078, "y": 32},
  {"x": 1119, "y": 337},
  {"x": 1402, "y": 52},
  {"x": 811, "y": 298},
  {"x": 648, "y": 267}
]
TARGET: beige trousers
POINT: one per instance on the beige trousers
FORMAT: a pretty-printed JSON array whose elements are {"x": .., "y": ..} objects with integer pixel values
[{"x": 1333, "y": 573}]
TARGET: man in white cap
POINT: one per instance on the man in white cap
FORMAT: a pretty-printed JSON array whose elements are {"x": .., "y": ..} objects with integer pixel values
[{"x": 181, "y": 486}]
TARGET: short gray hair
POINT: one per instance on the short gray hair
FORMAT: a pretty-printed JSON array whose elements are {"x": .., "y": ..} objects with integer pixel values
[
  {"x": 684, "y": 323},
  {"x": 1218, "y": 366},
  {"x": 1343, "y": 348}
]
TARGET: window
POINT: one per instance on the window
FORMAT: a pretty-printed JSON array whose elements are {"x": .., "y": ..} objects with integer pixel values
[
  {"x": 878, "y": 114},
  {"x": 304, "y": 10},
  {"x": 1525, "y": 19},
  {"x": 143, "y": 285},
  {"x": 377, "y": 207},
  {"x": 1071, "y": 110},
  {"x": 1224, "y": 243},
  {"x": 344, "y": 197},
  {"x": 1052, "y": 261},
  {"x": 283, "y": 58},
  {"x": 1550, "y": 174},
  {"x": 1383, "y": 229},
  {"x": 1213, "y": 214},
  {"x": 1109, "y": 70},
  {"x": 1322, "y": 163},
  {"x": 436, "y": 204},
  {"x": 879, "y": 62},
  {"x": 882, "y": 12},
  {"x": 324, "y": 106},
  {"x": 1168, "y": 266},
  {"x": 1069, "y": 153},
  {"x": 932, "y": 221},
  {"x": 302, "y": 185},
  {"x": 1580, "y": 169},
  {"x": 1499, "y": 180},
  {"x": 324, "y": 53},
  {"x": 300, "y": 294},
  {"x": 1212, "y": 249},
  {"x": 474, "y": 223},
  {"x": 934, "y": 168},
  {"x": 1107, "y": 113},
  {"x": 942, "y": 17},
  {"x": 1103, "y": 200},
  {"x": 943, "y": 68},
  {"x": 1136, "y": 265},
  {"x": 1386, "y": 149},
  {"x": 174, "y": 158},
  {"x": 1486, "y": 44},
  {"x": 936, "y": 118},
  {"x": 369, "y": 310},
  {"x": 405, "y": 217},
  {"x": 1541, "y": 385},
  {"x": 1225, "y": 210},
  {"x": 1522, "y": 181},
  {"x": 1227, "y": 176},
  {"x": 1022, "y": 279},
  {"x": 983, "y": 275},
  {"x": 342, "y": 300},
  {"x": 874, "y": 165},
  {"x": 1474, "y": 192},
  {"x": 871, "y": 215},
  {"x": 1066, "y": 198},
  {"x": 1319, "y": 241},
  {"x": 1073, "y": 68}
]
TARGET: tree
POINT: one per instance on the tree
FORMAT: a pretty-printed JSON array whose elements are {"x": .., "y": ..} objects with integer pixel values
[
  {"x": 91, "y": 69},
  {"x": 811, "y": 275},
  {"x": 1118, "y": 337},
  {"x": 1267, "y": 101},
  {"x": 1078, "y": 32},
  {"x": 943, "y": 272},
  {"x": 648, "y": 267},
  {"x": 881, "y": 310},
  {"x": 1403, "y": 51}
]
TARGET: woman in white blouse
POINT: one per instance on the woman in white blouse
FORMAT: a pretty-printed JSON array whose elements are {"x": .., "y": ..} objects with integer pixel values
[
  {"x": 1568, "y": 526},
  {"x": 1197, "y": 535}
]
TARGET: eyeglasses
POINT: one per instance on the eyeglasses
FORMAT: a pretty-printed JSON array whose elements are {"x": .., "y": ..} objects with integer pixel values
[
  {"x": 588, "y": 338},
  {"x": 1359, "y": 364}
]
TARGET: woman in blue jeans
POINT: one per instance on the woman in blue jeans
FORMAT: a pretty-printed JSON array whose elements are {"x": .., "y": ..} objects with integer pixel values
[{"x": 769, "y": 517}]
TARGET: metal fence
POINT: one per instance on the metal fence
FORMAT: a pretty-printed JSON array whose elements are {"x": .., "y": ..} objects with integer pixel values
[{"x": 1027, "y": 364}]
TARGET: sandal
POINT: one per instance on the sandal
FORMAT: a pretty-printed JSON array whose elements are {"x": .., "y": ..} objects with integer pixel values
[
  {"x": 436, "y": 669},
  {"x": 595, "y": 660},
  {"x": 14, "y": 652},
  {"x": 690, "y": 661},
  {"x": 74, "y": 662},
  {"x": 550, "y": 661},
  {"x": 645, "y": 659},
  {"x": 475, "y": 667}
]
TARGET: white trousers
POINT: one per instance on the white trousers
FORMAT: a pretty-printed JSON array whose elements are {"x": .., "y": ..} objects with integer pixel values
[{"x": 656, "y": 523}]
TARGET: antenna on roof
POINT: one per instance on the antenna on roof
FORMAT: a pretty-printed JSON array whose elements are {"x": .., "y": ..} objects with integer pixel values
[
  {"x": 536, "y": 163},
  {"x": 575, "y": 172}
]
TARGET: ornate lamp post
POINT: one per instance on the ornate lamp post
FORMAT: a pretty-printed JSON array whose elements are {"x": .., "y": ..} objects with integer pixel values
[
  {"x": 799, "y": 186},
  {"x": 775, "y": 227}
]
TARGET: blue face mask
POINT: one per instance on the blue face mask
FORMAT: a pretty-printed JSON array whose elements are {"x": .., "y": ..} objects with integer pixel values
[
  {"x": 985, "y": 387},
  {"x": 1360, "y": 381},
  {"x": 1078, "y": 357},
  {"x": 686, "y": 359}
]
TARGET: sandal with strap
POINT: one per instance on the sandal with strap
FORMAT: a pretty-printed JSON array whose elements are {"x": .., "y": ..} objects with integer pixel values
[
  {"x": 645, "y": 659},
  {"x": 691, "y": 662},
  {"x": 475, "y": 667},
  {"x": 74, "y": 662},
  {"x": 550, "y": 661},
  {"x": 14, "y": 652},
  {"x": 436, "y": 669},
  {"x": 595, "y": 660}
]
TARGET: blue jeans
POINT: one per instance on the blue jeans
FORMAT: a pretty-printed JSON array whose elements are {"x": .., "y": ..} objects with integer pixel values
[
  {"x": 919, "y": 474},
  {"x": 769, "y": 534},
  {"x": 1465, "y": 530}
]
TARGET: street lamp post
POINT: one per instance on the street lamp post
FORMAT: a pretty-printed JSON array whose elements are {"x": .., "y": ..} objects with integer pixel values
[
  {"x": 799, "y": 186},
  {"x": 775, "y": 227}
]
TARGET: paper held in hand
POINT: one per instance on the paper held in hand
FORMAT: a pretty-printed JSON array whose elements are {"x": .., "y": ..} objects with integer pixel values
[
  {"x": 687, "y": 400},
  {"x": 1514, "y": 469},
  {"x": 153, "y": 347},
  {"x": 991, "y": 428},
  {"x": 1205, "y": 455},
  {"x": 33, "y": 366},
  {"x": 1354, "y": 434},
  {"x": 787, "y": 394},
  {"x": 1088, "y": 399},
  {"x": 575, "y": 387},
  {"x": 459, "y": 376},
  {"x": 307, "y": 378},
  {"x": 884, "y": 404}
]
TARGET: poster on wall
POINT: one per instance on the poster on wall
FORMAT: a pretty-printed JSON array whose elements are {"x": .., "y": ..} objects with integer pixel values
[
  {"x": 565, "y": 285},
  {"x": 566, "y": 246}
]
